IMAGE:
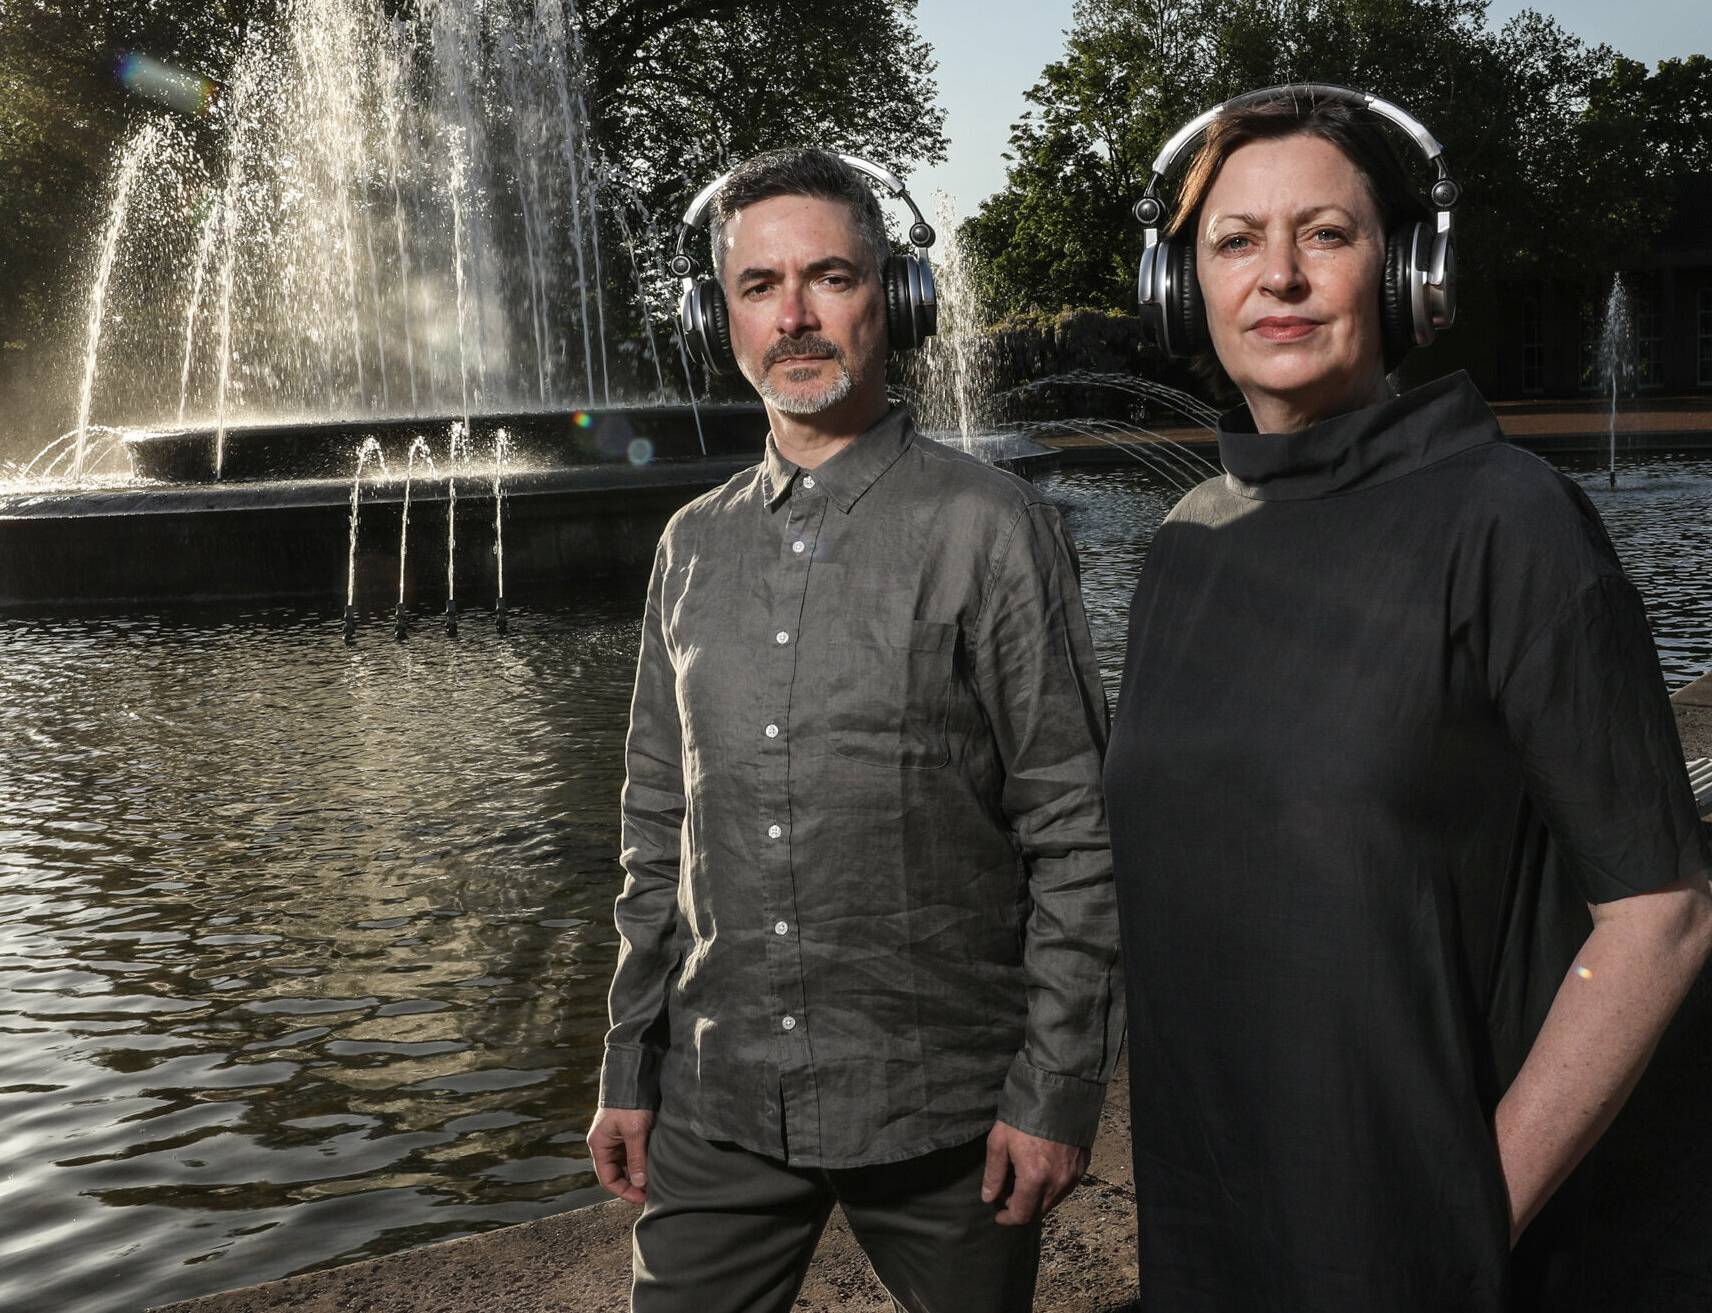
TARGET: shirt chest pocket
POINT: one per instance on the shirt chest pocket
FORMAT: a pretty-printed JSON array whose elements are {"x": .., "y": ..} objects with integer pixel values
[{"x": 889, "y": 695}]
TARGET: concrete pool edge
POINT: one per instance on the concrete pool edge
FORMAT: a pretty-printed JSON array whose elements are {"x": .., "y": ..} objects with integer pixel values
[{"x": 1569, "y": 429}]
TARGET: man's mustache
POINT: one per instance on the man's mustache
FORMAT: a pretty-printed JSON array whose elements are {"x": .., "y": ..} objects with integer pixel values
[{"x": 808, "y": 345}]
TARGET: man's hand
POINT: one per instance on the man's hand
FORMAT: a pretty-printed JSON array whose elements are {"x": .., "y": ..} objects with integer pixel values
[
  {"x": 618, "y": 1141},
  {"x": 1031, "y": 1175}
]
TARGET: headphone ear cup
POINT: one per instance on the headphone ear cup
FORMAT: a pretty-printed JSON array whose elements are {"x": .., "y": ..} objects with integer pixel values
[
  {"x": 707, "y": 326},
  {"x": 924, "y": 298},
  {"x": 900, "y": 321},
  {"x": 1397, "y": 290},
  {"x": 912, "y": 309},
  {"x": 1185, "y": 312},
  {"x": 719, "y": 345}
]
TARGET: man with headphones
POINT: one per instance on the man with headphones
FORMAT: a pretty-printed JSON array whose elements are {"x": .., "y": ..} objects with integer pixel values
[{"x": 869, "y": 951}]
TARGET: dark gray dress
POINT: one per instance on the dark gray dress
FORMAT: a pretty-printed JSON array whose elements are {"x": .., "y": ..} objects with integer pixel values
[{"x": 1369, "y": 672}]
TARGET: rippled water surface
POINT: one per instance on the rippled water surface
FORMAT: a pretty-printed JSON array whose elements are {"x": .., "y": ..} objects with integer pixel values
[{"x": 304, "y": 949}]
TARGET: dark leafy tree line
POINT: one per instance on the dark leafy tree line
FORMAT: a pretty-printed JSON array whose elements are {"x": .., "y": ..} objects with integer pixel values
[{"x": 1569, "y": 154}]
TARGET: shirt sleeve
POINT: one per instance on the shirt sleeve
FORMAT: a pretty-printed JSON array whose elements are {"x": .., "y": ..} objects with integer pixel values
[
  {"x": 1039, "y": 685},
  {"x": 652, "y": 809},
  {"x": 1584, "y": 702}
]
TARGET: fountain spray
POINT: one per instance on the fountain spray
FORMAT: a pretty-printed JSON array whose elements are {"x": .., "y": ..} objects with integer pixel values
[
  {"x": 501, "y": 446},
  {"x": 418, "y": 447},
  {"x": 370, "y": 448},
  {"x": 212, "y": 225},
  {"x": 460, "y": 441},
  {"x": 131, "y": 161},
  {"x": 1616, "y": 352}
]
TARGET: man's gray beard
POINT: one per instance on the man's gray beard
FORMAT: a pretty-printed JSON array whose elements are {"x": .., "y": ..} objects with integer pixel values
[{"x": 814, "y": 402}]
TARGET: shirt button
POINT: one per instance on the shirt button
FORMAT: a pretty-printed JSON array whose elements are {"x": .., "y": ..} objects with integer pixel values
[
  {"x": 781, "y": 637},
  {"x": 789, "y": 1023},
  {"x": 808, "y": 480},
  {"x": 797, "y": 546},
  {"x": 772, "y": 731},
  {"x": 780, "y": 928},
  {"x": 774, "y": 831}
]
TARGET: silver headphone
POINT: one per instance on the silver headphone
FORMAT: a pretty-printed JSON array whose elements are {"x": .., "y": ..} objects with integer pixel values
[
  {"x": 1419, "y": 288},
  {"x": 912, "y": 310}
]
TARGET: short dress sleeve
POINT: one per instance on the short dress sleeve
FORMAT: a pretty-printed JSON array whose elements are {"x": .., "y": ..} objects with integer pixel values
[{"x": 1583, "y": 699}]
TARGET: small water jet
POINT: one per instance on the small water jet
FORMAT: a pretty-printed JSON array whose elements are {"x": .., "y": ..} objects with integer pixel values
[
  {"x": 1617, "y": 364},
  {"x": 459, "y": 442},
  {"x": 370, "y": 450},
  {"x": 418, "y": 447},
  {"x": 501, "y": 448}
]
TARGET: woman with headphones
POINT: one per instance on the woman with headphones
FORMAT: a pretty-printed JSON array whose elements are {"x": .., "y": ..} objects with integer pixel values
[{"x": 1409, "y": 870}]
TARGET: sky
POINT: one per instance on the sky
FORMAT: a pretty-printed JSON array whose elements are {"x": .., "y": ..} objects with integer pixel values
[{"x": 991, "y": 51}]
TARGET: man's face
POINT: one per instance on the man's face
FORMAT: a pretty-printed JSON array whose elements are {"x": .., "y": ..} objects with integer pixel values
[{"x": 808, "y": 322}]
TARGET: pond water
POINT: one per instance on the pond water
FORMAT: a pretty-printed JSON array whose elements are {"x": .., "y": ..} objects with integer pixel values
[{"x": 304, "y": 949}]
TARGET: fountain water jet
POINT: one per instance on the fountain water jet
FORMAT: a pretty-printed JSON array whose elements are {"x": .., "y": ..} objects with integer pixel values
[
  {"x": 501, "y": 448},
  {"x": 459, "y": 442},
  {"x": 1616, "y": 354},
  {"x": 142, "y": 145},
  {"x": 418, "y": 447},
  {"x": 369, "y": 450}
]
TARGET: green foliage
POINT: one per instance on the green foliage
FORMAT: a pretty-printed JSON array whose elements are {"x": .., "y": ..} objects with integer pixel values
[
  {"x": 682, "y": 89},
  {"x": 1565, "y": 152}
]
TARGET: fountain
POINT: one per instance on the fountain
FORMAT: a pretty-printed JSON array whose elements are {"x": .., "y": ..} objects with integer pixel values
[
  {"x": 1616, "y": 354},
  {"x": 387, "y": 230}
]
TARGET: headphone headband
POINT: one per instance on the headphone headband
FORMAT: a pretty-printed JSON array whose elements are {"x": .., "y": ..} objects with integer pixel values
[
  {"x": 912, "y": 308},
  {"x": 1443, "y": 195},
  {"x": 682, "y": 263}
]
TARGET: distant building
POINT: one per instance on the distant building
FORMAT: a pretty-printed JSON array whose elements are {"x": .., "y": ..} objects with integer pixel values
[{"x": 1544, "y": 341}]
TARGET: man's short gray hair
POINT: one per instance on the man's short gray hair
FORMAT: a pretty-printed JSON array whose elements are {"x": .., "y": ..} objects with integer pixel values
[{"x": 800, "y": 171}]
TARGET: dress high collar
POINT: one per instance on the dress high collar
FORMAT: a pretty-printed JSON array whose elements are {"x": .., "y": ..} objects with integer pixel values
[{"x": 1361, "y": 449}]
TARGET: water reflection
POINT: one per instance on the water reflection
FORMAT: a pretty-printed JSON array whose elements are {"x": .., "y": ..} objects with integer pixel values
[
  {"x": 304, "y": 949},
  {"x": 295, "y": 938}
]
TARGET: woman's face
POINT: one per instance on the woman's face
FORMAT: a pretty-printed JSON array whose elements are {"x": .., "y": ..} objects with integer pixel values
[{"x": 1290, "y": 254}]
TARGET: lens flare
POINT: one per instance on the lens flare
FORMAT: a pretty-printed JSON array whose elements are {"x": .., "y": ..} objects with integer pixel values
[
  {"x": 582, "y": 419},
  {"x": 641, "y": 451},
  {"x": 1586, "y": 973},
  {"x": 143, "y": 75}
]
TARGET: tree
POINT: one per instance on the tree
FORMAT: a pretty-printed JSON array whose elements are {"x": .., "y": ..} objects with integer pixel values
[
  {"x": 682, "y": 89},
  {"x": 1565, "y": 151}
]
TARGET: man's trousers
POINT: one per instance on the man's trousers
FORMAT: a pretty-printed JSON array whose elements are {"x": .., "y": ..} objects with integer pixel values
[{"x": 729, "y": 1231}]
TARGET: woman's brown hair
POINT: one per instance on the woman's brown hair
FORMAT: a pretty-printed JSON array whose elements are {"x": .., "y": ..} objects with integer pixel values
[{"x": 1353, "y": 131}]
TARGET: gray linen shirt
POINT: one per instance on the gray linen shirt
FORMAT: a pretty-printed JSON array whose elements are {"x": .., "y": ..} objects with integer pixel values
[{"x": 868, "y": 903}]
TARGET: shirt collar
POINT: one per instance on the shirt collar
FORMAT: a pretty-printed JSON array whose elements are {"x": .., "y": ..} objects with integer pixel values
[
  {"x": 852, "y": 471},
  {"x": 776, "y": 474},
  {"x": 1360, "y": 449}
]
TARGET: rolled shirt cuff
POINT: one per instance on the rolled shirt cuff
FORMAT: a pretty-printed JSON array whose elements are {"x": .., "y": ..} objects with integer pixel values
[
  {"x": 1050, "y": 1105},
  {"x": 630, "y": 1077}
]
